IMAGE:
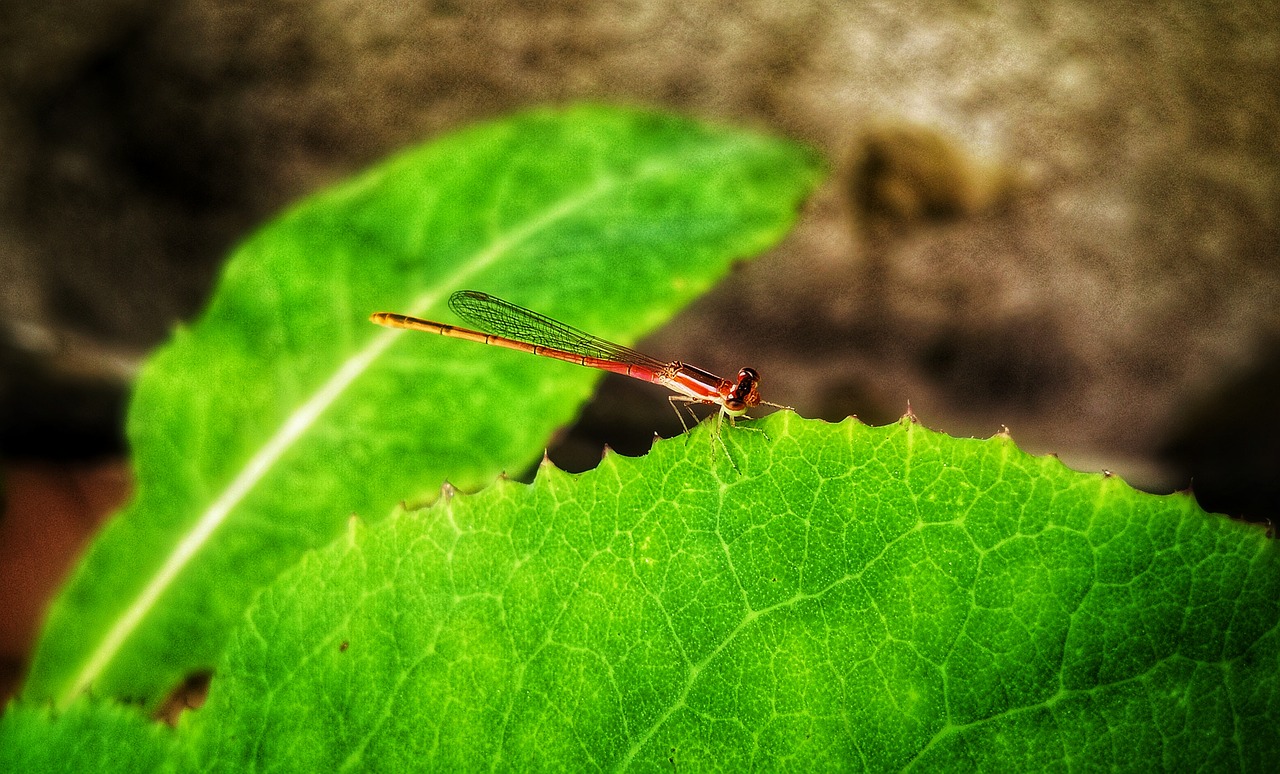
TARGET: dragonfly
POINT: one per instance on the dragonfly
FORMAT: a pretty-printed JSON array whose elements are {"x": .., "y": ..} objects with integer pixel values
[{"x": 504, "y": 324}]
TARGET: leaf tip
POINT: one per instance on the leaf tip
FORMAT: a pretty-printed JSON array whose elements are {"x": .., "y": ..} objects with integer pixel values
[
  {"x": 1003, "y": 433},
  {"x": 447, "y": 490},
  {"x": 910, "y": 414}
]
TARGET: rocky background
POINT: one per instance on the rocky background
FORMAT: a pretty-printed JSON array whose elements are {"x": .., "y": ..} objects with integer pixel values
[{"x": 1062, "y": 217}]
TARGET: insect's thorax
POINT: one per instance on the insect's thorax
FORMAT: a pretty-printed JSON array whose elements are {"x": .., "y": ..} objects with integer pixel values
[
  {"x": 706, "y": 387},
  {"x": 693, "y": 382}
]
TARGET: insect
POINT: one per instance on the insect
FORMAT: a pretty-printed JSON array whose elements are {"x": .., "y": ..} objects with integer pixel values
[{"x": 505, "y": 324}]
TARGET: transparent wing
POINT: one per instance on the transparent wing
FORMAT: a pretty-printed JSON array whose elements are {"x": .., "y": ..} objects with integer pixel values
[{"x": 503, "y": 318}]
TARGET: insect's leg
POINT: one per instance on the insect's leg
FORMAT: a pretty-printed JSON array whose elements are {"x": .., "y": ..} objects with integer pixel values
[
  {"x": 688, "y": 405},
  {"x": 719, "y": 437},
  {"x": 672, "y": 400}
]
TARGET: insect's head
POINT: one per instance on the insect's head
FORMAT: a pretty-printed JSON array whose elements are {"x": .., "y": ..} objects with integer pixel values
[{"x": 744, "y": 394}]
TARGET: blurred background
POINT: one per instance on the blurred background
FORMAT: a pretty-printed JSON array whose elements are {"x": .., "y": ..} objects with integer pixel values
[{"x": 1062, "y": 217}]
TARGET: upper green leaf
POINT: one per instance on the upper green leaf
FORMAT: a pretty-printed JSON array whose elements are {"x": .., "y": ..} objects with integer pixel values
[
  {"x": 256, "y": 432},
  {"x": 853, "y": 598}
]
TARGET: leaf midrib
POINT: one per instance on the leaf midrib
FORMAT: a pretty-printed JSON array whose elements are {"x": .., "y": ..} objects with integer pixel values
[{"x": 302, "y": 419}]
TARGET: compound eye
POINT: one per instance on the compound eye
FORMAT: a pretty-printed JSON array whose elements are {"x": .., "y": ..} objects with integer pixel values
[{"x": 748, "y": 373}]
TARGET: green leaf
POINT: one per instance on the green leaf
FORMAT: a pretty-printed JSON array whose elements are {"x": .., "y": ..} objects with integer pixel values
[
  {"x": 283, "y": 410},
  {"x": 854, "y": 598},
  {"x": 83, "y": 738}
]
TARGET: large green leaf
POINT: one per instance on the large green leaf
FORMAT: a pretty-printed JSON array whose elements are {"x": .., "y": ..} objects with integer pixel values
[
  {"x": 853, "y": 598},
  {"x": 256, "y": 432}
]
